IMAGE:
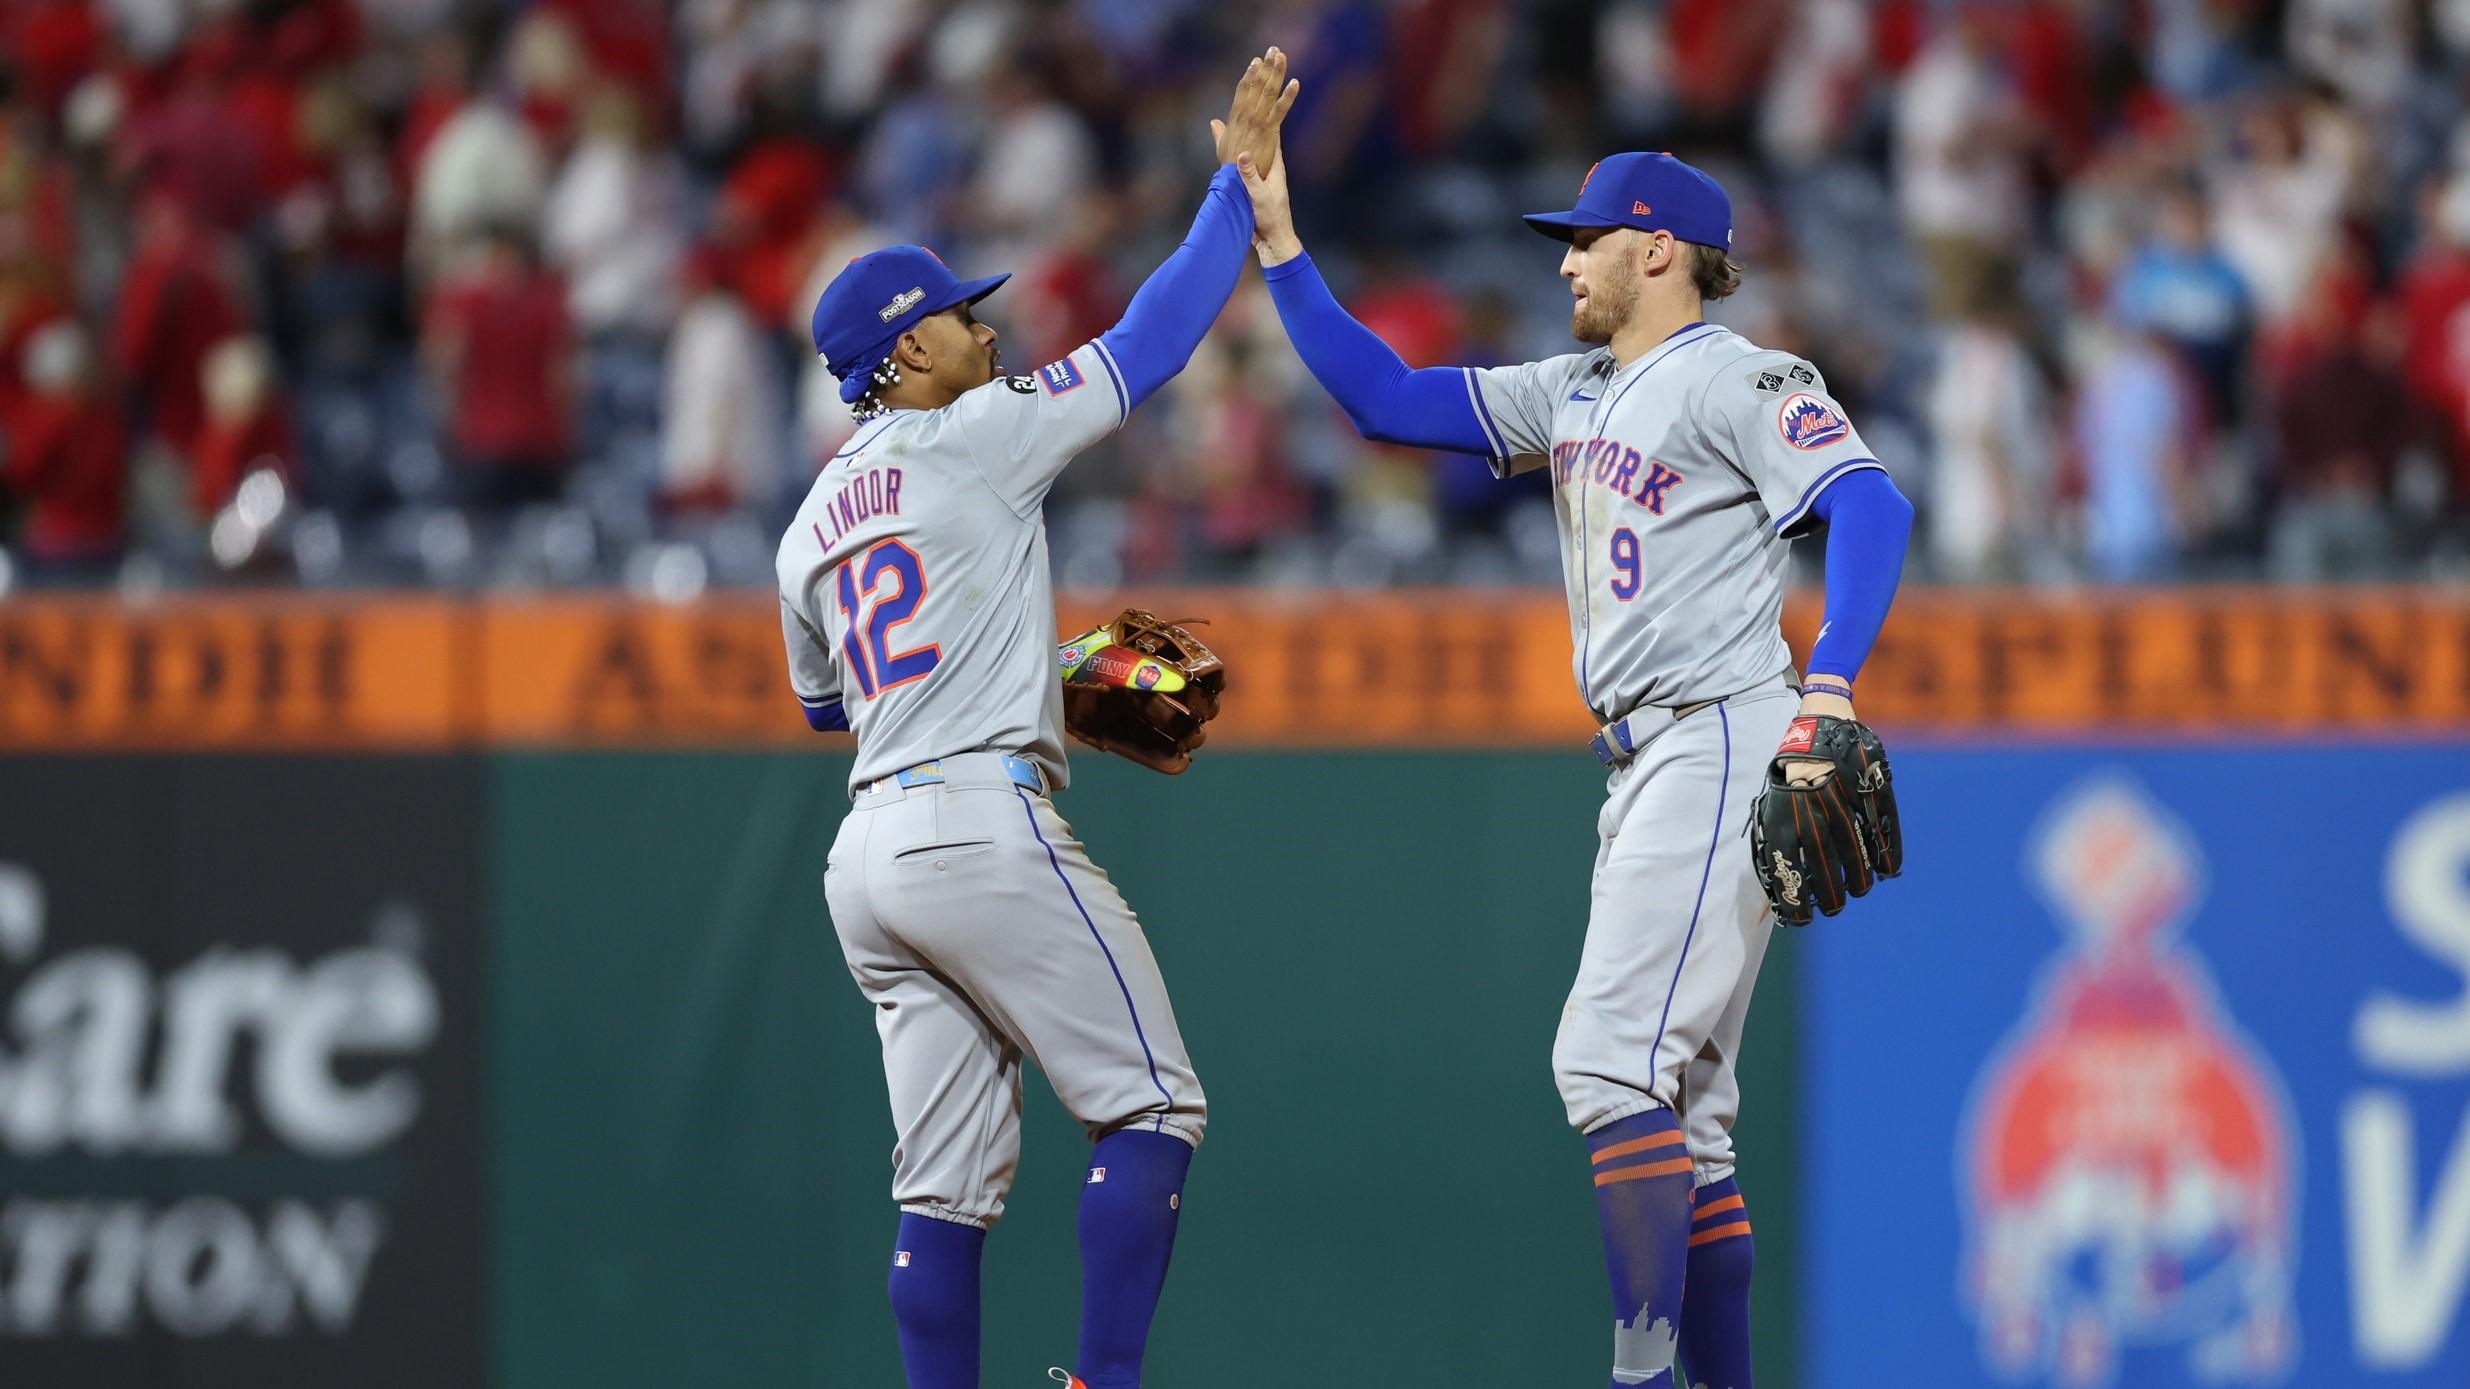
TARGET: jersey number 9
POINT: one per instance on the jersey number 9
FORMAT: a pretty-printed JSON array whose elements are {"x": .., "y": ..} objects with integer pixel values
[
  {"x": 875, "y": 664},
  {"x": 1625, "y": 579}
]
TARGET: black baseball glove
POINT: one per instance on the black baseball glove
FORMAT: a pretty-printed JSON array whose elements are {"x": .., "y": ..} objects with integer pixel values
[{"x": 1818, "y": 842}]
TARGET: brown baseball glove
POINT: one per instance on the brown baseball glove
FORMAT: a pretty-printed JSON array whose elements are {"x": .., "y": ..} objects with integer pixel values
[{"x": 1141, "y": 688}]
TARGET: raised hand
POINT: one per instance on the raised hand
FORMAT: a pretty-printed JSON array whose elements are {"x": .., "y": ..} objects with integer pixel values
[
  {"x": 1273, "y": 217},
  {"x": 1261, "y": 102}
]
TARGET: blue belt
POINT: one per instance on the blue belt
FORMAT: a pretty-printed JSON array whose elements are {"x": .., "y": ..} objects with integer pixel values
[
  {"x": 1023, "y": 772},
  {"x": 1618, "y": 741}
]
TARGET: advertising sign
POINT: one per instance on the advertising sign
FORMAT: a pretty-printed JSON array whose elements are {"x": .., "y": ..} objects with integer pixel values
[
  {"x": 2172, "y": 1051},
  {"x": 238, "y": 1076},
  {"x": 1455, "y": 667}
]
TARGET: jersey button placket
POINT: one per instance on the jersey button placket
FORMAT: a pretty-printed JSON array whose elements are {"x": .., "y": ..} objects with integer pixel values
[{"x": 1596, "y": 420}]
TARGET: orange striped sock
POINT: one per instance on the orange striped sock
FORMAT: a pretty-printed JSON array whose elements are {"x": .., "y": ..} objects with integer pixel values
[
  {"x": 1641, "y": 1169},
  {"x": 1715, "y": 1323}
]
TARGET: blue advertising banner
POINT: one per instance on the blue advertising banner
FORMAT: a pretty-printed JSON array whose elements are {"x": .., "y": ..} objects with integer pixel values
[{"x": 2153, "y": 1070}]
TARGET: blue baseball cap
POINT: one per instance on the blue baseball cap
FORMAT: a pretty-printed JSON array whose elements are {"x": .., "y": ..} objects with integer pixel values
[
  {"x": 878, "y": 297},
  {"x": 1650, "y": 192}
]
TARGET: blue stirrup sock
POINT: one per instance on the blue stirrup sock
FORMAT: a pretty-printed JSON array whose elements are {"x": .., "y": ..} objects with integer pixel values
[
  {"x": 1715, "y": 1321},
  {"x": 934, "y": 1286},
  {"x": 1129, "y": 1208},
  {"x": 1642, "y": 1196}
]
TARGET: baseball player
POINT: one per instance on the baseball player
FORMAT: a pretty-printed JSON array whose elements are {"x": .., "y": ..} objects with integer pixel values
[
  {"x": 1684, "y": 457},
  {"x": 919, "y": 614}
]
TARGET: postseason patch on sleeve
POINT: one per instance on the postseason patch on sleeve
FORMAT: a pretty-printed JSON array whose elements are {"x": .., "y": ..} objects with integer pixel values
[{"x": 1059, "y": 377}]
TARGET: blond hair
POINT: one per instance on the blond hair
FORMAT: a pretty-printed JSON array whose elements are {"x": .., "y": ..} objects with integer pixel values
[{"x": 1713, "y": 271}]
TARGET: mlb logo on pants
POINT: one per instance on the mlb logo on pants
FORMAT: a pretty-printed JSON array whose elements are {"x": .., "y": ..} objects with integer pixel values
[
  {"x": 1096, "y": 1175},
  {"x": 900, "y": 1258}
]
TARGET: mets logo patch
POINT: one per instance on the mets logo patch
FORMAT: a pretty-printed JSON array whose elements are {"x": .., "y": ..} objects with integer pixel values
[
  {"x": 1059, "y": 377},
  {"x": 1810, "y": 423}
]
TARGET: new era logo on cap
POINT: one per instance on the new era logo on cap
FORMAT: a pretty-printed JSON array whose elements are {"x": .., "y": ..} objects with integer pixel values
[{"x": 901, "y": 304}]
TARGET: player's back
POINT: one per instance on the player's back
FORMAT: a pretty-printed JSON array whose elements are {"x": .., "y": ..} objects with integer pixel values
[
  {"x": 931, "y": 595},
  {"x": 915, "y": 593}
]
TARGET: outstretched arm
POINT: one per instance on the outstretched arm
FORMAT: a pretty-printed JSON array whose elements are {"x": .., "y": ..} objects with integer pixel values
[
  {"x": 1436, "y": 407},
  {"x": 1173, "y": 309}
]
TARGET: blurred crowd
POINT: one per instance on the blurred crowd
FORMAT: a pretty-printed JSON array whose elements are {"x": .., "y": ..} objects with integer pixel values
[{"x": 473, "y": 294}]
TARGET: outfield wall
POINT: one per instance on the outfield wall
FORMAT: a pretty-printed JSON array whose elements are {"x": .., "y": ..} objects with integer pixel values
[{"x": 538, "y": 1066}]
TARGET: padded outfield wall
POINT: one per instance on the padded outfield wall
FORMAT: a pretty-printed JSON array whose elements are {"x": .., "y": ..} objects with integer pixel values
[{"x": 500, "y": 1036}]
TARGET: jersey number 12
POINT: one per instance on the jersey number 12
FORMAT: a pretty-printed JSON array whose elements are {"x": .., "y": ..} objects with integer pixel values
[{"x": 873, "y": 661}]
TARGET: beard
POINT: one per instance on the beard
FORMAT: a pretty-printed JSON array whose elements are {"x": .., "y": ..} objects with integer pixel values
[{"x": 1606, "y": 308}]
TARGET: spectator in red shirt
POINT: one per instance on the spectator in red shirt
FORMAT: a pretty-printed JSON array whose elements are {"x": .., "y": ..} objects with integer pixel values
[
  {"x": 29, "y": 303},
  {"x": 67, "y": 461},
  {"x": 246, "y": 425},
  {"x": 767, "y": 219},
  {"x": 2435, "y": 303},
  {"x": 442, "y": 85},
  {"x": 201, "y": 136},
  {"x": 497, "y": 346},
  {"x": 54, "y": 42},
  {"x": 2345, "y": 418},
  {"x": 38, "y": 192},
  {"x": 175, "y": 305}
]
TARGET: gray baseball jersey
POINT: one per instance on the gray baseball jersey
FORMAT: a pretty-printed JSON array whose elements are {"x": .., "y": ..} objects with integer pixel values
[
  {"x": 915, "y": 594},
  {"x": 914, "y": 584},
  {"x": 1677, "y": 479}
]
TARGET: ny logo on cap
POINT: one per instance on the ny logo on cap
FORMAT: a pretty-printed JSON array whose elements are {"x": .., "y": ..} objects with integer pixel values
[{"x": 901, "y": 304}]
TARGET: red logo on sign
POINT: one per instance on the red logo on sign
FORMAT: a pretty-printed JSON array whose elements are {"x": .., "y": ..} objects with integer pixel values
[{"x": 2127, "y": 1159}]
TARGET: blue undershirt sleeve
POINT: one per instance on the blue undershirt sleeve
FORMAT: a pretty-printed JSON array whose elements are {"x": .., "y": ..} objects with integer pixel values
[
  {"x": 1388, "y": 402},
  {"x": 1867, "y": 522},
  {"x": 1173, "y": 309}
]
